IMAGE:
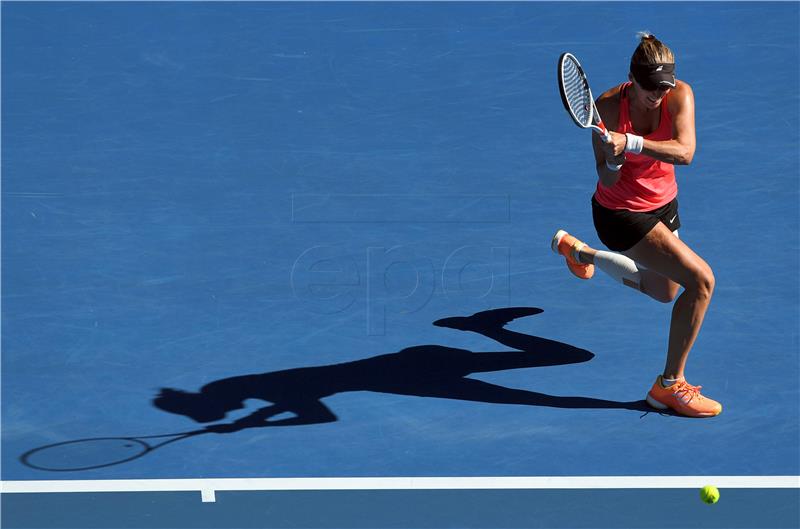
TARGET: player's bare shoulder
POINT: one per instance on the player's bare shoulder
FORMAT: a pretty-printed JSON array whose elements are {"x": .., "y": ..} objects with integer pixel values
[
  {"x": 682, "y": 87},
  {"x": 608, "y": 106},
  {"x": 681, "y": 97}
]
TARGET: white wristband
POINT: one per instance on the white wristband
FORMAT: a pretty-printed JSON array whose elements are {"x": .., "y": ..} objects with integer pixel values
[
  {"x": 613, "y": 167},
  {"x": 633, "y": 143}
]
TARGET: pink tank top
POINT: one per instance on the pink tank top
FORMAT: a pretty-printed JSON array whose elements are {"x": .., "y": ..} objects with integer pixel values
[{"x": 644, "y": 184}]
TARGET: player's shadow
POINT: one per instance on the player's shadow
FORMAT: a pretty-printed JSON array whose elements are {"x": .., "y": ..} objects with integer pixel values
[{"x": 422, "y": 371}]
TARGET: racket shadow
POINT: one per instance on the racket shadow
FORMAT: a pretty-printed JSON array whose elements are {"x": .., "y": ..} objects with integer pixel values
[{"x": 97, "y": 452}]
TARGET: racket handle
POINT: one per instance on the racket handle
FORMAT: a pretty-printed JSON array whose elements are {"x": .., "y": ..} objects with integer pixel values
[{"x": 604, "y": 134}]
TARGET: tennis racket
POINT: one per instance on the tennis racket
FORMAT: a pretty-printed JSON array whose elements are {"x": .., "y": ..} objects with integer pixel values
[
  {"x": 577, "y": 96},
  {"x": 98, "y": 452}
]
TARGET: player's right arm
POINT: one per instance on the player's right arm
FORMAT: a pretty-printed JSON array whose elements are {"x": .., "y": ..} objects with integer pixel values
[
  {"x": 612, "y": 153},
  {"x": 303, "y": 412}
]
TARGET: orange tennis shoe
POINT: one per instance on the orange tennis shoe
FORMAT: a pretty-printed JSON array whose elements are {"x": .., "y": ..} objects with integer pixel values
[
  {"x": 565, "y": 244},
  {"x": 683, "y": 398}
]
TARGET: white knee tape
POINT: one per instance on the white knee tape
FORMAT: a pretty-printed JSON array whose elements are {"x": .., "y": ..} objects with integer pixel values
[{"x": 621, "y": 268}]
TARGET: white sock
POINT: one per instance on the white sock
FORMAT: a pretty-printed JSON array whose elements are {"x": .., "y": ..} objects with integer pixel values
[
  {"x": 667, "y": 382},
  {"x": 576, "y": 251},
  {"x": 621, "y": 268}
]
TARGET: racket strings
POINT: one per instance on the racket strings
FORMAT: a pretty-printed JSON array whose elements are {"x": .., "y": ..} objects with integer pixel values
[
  {"x": 86, "y": 454},
  {"x": 577, "y": 92}
]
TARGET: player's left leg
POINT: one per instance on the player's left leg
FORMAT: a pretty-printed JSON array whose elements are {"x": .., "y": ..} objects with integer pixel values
[
  {"x": 582, "y": 260},
  {"x": 631, "y": 274}
]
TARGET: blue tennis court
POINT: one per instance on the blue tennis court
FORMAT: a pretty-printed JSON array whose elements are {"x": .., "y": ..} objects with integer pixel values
[{"x": 340, "y": 213}]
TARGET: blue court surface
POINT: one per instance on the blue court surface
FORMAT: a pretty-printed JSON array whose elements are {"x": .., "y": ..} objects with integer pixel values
[{"x": 336, "y": 216}]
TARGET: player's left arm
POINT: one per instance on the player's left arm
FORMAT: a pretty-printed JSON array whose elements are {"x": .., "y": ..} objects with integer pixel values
[{"x": 680, "y": 149}]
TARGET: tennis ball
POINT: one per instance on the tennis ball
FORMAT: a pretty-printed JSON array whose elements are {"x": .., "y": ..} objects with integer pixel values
[{"x": 709, "y": 494}]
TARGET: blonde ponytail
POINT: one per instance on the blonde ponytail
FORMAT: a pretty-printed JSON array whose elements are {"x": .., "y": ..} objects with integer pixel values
[{"x": 651, "y": 50}]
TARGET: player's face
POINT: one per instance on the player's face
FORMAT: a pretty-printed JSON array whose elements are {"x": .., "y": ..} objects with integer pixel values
[{"x": 650, "y": 99}]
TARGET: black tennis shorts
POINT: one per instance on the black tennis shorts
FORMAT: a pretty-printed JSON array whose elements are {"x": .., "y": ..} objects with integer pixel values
[{"x": 620, "y": 229}]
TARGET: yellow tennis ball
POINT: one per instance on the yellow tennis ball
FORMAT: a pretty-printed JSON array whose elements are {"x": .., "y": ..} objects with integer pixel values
[{"x": 709, "y": 494}]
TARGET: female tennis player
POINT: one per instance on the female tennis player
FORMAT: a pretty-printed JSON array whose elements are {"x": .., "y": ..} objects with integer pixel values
[{"x": 635, "y": 211}]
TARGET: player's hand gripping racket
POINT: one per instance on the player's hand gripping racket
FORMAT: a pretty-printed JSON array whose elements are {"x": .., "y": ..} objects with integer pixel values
[{"x": 577, "y": 96}]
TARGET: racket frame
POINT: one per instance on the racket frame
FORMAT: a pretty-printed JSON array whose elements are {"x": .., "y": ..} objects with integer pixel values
[
  {"x": 145, "y": 448},
  {"x": 595, "y": 121}
]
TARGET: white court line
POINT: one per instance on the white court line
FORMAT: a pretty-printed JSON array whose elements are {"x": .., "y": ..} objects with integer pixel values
[{"x": 208, "y": 487}]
